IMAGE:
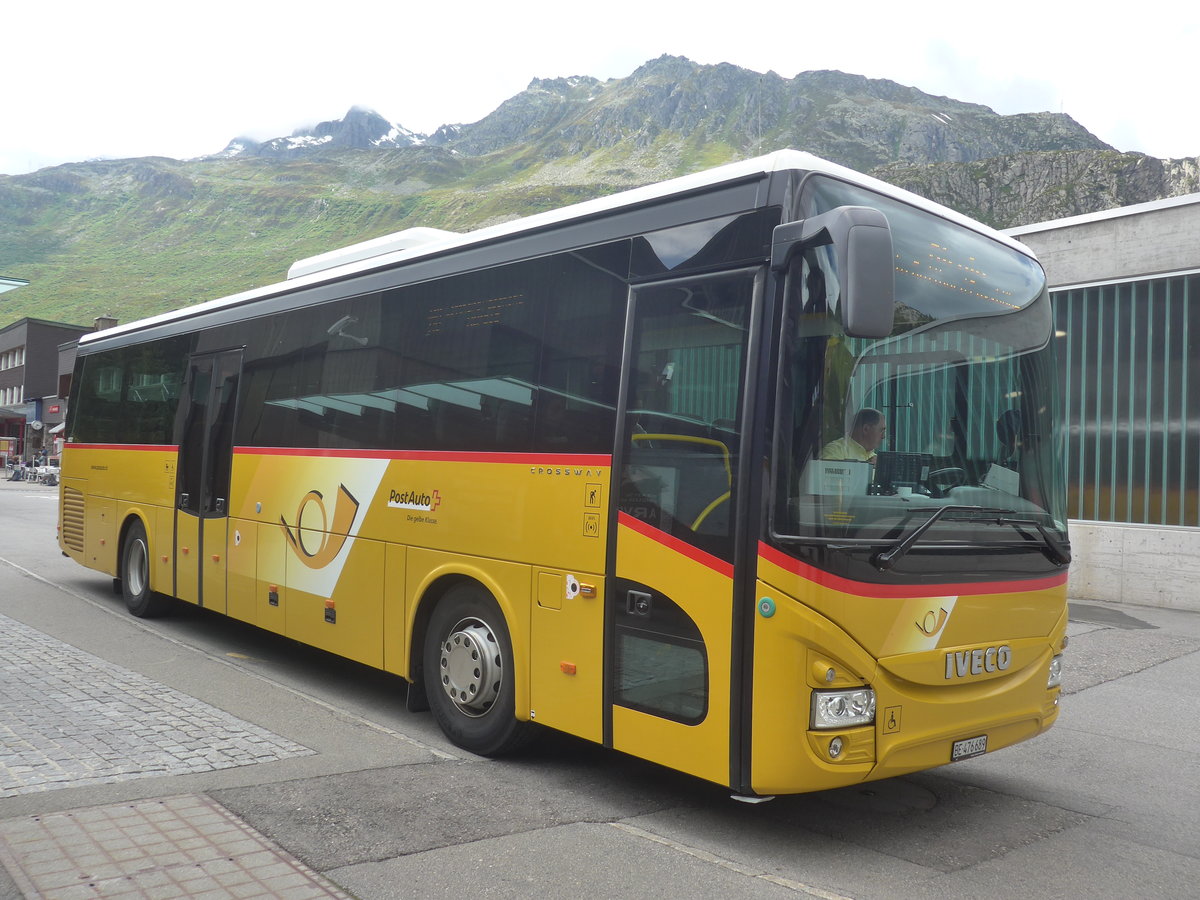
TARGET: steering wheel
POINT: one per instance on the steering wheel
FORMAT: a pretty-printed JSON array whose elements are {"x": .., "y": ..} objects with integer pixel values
[{"x": 942, "y": 480}]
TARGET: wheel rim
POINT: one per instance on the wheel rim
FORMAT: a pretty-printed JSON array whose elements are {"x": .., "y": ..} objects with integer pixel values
[
  {"x": 471, "y": 667},
  {"x": 136, "y": 569}
]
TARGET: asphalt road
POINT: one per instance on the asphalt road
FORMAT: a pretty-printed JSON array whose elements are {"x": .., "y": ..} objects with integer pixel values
[{"x": 318, "y": 758}]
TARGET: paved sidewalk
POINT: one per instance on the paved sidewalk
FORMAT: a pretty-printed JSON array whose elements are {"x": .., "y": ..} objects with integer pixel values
[
  {"x": 7, "y": 482},
  {"x": 68, "y": 718},
  {"x": 175, "y": 847}
]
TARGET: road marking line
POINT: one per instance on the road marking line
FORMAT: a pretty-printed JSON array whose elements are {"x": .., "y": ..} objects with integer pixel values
[{"x": 707, "y": 857}]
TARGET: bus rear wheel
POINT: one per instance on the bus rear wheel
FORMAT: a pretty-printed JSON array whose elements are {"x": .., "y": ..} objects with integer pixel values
[
  {"x": 135, "y": 576},
  {"x": 468, "y": 672}
]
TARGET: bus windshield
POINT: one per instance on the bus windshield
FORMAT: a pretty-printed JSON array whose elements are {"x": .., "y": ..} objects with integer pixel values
[{"x": 939, "y": 438}]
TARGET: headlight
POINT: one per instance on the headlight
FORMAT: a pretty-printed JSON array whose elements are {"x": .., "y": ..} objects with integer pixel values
[
  {"x": 843, "y": 709},
  {"x": 1055, "y": 678}
]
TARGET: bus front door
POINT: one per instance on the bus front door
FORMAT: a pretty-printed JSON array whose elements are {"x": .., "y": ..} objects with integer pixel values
[
  {"x": 670, "y": 614},
  {"x": 202, "y": 482}
]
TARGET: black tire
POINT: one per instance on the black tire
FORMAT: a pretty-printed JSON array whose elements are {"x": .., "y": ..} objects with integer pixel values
[
  {"x": 135, "y": 576},
  {"x": 468, "y": 672}
]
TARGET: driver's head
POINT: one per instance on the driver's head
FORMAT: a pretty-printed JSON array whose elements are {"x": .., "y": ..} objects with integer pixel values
[{"x": 869, "y": 427}]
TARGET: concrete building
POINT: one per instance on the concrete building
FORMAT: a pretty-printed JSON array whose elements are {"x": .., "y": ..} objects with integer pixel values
[
  {"x": 30, "y": 404},
  {"x": 1126, "y": 289}
]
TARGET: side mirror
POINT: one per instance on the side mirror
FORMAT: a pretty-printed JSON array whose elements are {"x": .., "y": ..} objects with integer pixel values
[{"x": 862, "y": 242}]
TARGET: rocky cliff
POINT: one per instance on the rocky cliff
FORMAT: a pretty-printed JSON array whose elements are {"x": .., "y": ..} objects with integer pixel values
[{"x": 1036, "y": 187}]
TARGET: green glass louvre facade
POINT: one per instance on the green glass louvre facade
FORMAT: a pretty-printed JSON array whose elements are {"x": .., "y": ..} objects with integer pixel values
[{"x": 1129, "y": 356}]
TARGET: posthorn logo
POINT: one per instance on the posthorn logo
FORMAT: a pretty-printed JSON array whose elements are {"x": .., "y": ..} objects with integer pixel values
[{"x": 318, "y": 541}]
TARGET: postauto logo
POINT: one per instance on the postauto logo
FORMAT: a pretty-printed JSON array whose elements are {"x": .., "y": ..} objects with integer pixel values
[{"x": 424, "y": 501}]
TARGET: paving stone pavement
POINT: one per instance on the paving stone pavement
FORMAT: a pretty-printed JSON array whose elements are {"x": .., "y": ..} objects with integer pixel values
[
  {"x": 165, "y": 848},
  {"x": 70, "y": 718}
]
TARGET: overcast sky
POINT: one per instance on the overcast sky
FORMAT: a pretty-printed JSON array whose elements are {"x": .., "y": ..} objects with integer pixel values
[{"x": 127, "y": 78}]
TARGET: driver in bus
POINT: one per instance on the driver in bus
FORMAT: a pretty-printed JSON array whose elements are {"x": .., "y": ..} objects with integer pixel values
[
  {"x": 1010, "y": 433},
  {"x": 867, "y": 432}
]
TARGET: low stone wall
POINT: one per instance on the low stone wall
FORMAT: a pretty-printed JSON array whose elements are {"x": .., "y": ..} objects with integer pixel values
[{"x": 1150, "y": 565}]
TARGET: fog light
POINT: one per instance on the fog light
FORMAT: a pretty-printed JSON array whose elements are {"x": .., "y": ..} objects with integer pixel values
[
  {"x": 842, "y": 709},
  {"x": 835, "y": 748},
  {"x": 1055, "y": 678}
]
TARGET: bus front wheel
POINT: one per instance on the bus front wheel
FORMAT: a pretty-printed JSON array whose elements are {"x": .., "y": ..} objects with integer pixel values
[
  {"x": 468, "y": 672},
  {"x": 135, "y": 575}
]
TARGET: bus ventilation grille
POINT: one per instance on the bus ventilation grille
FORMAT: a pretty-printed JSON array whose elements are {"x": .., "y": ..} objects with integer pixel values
[{"x": 72, "y": 518}]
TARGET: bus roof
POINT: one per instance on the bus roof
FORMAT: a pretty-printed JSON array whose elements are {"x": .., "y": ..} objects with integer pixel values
[{"x": 417, "y": 243}]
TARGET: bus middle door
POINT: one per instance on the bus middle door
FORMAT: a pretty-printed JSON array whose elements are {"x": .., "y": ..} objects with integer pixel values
[
  {"x": 671, "y": 600},
  {"x": 202, "y": 484}
]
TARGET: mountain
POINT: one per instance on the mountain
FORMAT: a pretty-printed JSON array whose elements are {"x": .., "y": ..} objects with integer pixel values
[
  {"x": 860, "y": 122},
  {"x": 361, "y": 129},
  {"x": 141, "y": 236}
]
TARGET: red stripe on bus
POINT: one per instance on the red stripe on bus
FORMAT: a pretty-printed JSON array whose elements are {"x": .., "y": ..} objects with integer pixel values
[
  {"x": 544, "y": 460},
  {"x": 867, "y": 589},
  {"x": 162, "y": 448},
  {"x": 683, "y": 548}
]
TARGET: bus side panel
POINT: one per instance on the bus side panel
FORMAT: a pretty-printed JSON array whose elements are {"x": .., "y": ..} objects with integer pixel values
[
  {"x": 242, "y": 554},
  {"x": 162, "y": 551},
  {"x": 187, "y": 557},
  {"x": 396, "y": 608},
  {"x": 100, "y": 530},
  {"x": 543, "y": 509},
  {"x": 347, "y": 620},
  {"x": 144, "y": 475},
  {"x": 102, "y": 484},
  {"x": 313, "y": 512},
  {"x": 272, "y": 596},
  {"x": 214, "y": 569},
  {"x": 567, "y": 662}
]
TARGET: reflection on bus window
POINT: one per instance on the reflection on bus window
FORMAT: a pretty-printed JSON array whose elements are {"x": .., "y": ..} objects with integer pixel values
[
  {"x": 684, "y": 408},
  {"x": 504, "y": 360}
]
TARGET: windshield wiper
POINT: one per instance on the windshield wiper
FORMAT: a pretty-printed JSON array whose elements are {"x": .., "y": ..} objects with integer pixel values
[{"x": 1054, "y": 548}]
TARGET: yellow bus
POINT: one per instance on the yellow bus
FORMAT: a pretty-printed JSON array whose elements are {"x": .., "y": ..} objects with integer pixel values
[{"x": 574, "y": 471}]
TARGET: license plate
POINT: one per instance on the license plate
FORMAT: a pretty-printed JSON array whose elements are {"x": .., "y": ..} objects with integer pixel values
[{"x": 976, "y": 746}]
